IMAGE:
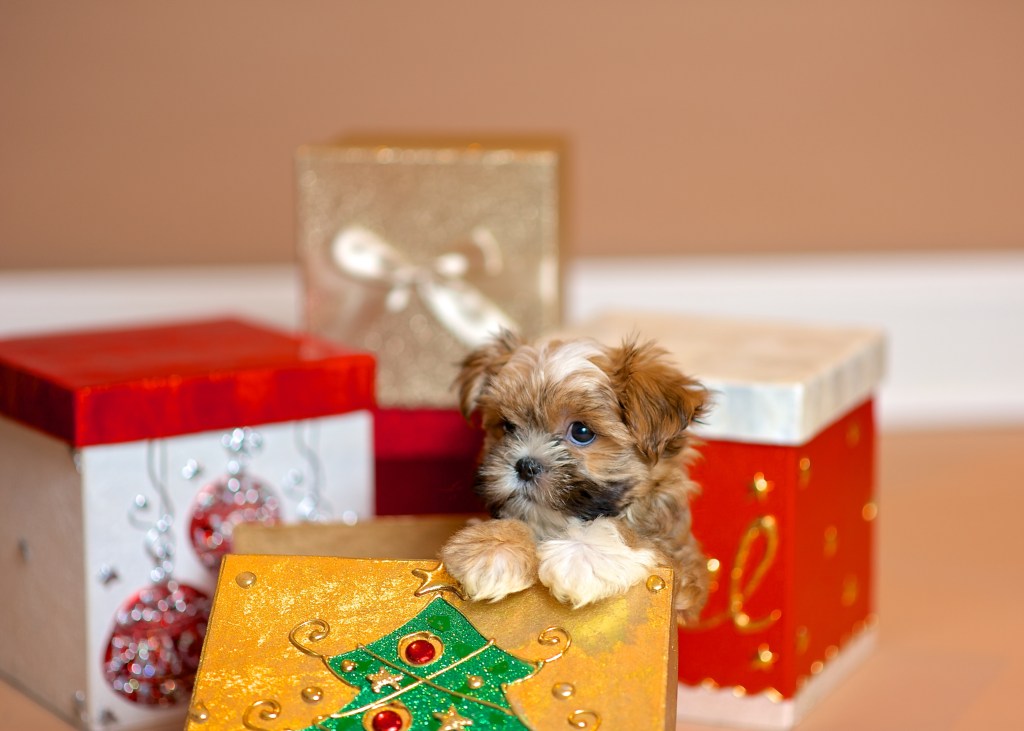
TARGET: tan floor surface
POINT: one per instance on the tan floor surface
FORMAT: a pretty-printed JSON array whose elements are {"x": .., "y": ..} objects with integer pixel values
[{"x": 951, "y": 586}]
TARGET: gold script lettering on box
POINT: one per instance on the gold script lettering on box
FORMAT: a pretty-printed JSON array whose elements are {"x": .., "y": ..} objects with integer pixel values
[{"x": 418, "y": 251}]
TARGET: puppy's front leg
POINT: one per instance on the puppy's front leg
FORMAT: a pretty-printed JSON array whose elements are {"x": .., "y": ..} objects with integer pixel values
[
  {"x": 492, "y": 559},
  {"x": 592, "y": 562}
]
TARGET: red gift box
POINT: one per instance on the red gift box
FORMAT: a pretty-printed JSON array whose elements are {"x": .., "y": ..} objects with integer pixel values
[
  {"x": 789, "y": 534},
  {"x": 785, "y": 514},
  {"x": 175, "y": 379},
  {"x": 129, "y": 455},
  {"x": 425, "y": 462}
]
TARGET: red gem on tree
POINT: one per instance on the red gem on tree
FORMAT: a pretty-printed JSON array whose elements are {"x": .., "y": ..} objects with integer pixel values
[
  {"x": 153, "y": 652},
  {"x": 387, "y": 720},
  {"x": 221, "y": 505},
  {"x": 420, "y": 652}
]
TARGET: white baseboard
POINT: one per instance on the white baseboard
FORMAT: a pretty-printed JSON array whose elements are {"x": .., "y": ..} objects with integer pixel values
[
  {"x": 40, "y": 301},
  {"x": 955, "y": 322}
]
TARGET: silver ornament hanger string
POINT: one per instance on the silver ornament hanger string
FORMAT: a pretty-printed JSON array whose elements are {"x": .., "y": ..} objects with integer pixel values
[
  {"x": 307, "y": 490},
  {"x": 159, "y": 540}
]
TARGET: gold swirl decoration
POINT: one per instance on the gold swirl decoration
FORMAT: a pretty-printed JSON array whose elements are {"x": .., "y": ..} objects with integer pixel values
[
  {"x": 585, "y": 719},
  {"x": 744, "y": 579},
  {"x": 555, "y": 637},
  {"x": 309, "y": 633},
  {"x": 264, "y": 710},
  {"x": 312, "y": 631}
]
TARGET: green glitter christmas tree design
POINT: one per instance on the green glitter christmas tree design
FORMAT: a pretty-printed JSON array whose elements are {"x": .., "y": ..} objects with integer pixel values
[{"x": 436, "y": 672}]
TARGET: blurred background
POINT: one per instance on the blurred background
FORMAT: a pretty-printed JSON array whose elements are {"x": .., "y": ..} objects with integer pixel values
[
  {"x": 142, "y": 133},
  {"x": 847, "y": 161}
]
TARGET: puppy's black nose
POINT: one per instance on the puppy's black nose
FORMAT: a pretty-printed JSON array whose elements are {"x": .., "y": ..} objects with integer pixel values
[{"x": 528, "y": 468}]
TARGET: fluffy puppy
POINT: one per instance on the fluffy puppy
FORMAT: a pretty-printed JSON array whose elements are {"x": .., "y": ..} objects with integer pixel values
[{"x": 583, "y": 470}]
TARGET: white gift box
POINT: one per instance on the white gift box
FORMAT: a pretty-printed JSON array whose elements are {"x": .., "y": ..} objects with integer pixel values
[{"x": 128, "y": 456}]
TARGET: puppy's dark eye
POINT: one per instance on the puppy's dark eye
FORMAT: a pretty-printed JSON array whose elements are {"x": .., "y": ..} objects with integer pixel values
[
  {"x": 508, "y": 427},
  {"x": 580, "y": 434}
]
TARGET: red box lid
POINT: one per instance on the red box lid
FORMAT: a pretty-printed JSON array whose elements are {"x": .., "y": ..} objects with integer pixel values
[{"x": 121, "y": 385}]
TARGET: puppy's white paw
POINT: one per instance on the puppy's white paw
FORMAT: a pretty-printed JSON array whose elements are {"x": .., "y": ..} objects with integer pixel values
[
  {"x": 492, "y": 559},
  {"x": 592, "y": 562}
]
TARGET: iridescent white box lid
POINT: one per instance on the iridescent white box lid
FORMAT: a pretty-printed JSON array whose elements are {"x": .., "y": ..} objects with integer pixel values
[{"x": 771, "y": 382}]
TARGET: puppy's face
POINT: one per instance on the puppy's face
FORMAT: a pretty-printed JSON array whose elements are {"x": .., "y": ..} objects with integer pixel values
[{"x": 573, "y": 429}]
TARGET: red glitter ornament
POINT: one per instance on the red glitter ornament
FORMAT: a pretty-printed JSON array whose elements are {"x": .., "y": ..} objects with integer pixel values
[
  {"x": 221, "y": 505},
  {"x": 387, "y": 720},
  {"x": 153, "y": 652},
  {"x": 420, "y": 652}
]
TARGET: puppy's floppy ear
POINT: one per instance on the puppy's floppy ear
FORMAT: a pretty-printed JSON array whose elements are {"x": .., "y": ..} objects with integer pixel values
[
  {"x": 480, "y": 366},
  {"x": 657, "y": 401}
]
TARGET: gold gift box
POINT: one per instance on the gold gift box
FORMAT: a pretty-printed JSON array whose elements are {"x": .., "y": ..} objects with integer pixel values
[
  {"x": 335, "y": 643},
  {"x": 417, "y": 251}
]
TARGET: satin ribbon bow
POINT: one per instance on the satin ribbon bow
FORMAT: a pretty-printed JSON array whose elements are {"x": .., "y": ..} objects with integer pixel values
[{"x": 461, "y": 308}]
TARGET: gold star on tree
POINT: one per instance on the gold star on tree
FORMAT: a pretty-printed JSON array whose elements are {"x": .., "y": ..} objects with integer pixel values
[
  {"x": 437, "y": 579},
  {"x": 452, "y": 721},
  {"x": 382, "y": 679}
]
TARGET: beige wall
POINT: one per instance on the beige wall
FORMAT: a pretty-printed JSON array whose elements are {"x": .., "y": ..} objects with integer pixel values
[{"x": 137, "y": 133}]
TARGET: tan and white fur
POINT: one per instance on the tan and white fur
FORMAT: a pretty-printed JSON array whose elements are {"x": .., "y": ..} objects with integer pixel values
[{"x": 584, "y": 470}]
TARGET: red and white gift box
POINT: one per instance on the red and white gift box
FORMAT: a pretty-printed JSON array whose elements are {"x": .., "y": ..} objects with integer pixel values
[
  {"x": 785, "y": 514},
  {"x": 128, "y": 455}
]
